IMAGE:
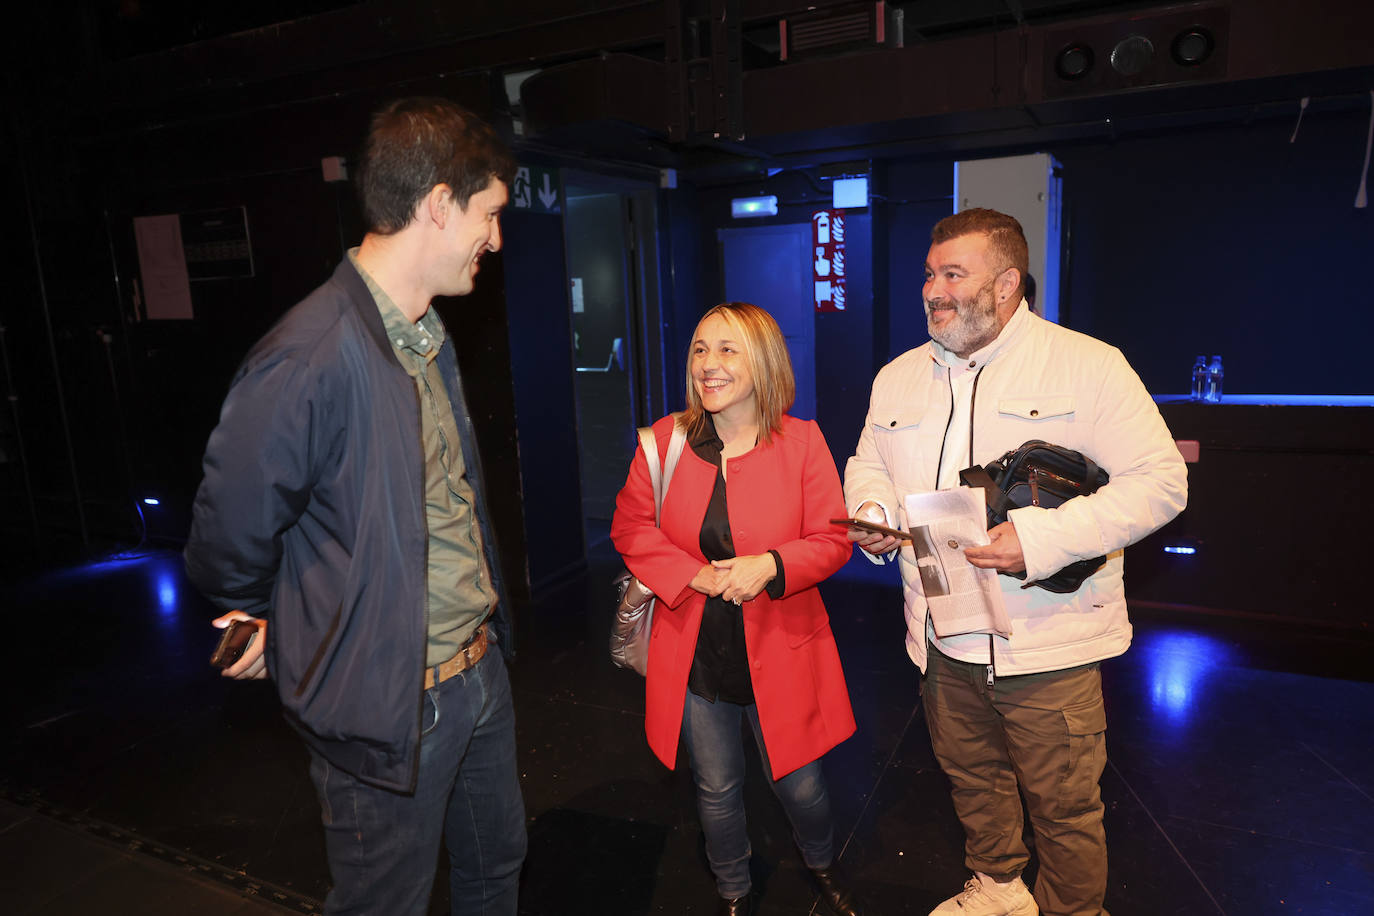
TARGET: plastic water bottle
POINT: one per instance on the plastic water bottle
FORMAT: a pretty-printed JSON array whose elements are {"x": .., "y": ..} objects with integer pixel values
[
  {"x": 1199, "y": 378},
  {"x": 1214, "y": 374}
]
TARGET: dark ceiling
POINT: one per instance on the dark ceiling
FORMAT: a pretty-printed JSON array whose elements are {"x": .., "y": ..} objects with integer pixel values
[
  {"x": 707, "y": 86},
  {"x": 130, "y": 28}
]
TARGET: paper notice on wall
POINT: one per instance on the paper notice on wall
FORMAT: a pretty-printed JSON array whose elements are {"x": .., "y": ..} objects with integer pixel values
[
  {"x": 162, "y": 265},
  {"x": 961, "y": 597}
]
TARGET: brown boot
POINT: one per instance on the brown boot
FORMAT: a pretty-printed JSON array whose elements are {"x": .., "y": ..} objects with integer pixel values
[
  {"x": 839, "y": 897},
  {"x": 739, "y": 906}
]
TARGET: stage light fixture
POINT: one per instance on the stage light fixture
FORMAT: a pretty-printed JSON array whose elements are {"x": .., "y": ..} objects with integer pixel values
[
  {"x": 1180, "y": 549},
  {"x": 746, "y": 207},
  {"x": 1074, "y": 62},
  {"x": 1192, "y": 46},
  {"x": 149, "y": 501}
]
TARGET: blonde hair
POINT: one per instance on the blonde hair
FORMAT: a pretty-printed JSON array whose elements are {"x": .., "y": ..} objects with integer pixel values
[{"x": 765, "y": 352}]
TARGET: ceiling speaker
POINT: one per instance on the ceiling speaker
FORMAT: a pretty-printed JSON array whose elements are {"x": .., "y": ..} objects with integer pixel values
[
  {"x": 1098, "y": 56},
  {"x": 1192, "y": 46}
]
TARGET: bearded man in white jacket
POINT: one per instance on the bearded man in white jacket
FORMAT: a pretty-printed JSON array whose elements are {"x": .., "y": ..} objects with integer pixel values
[{"x": 1020, "y": 714}]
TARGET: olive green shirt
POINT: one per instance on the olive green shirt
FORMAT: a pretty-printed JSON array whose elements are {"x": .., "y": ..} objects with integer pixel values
[{"x": 460, "y": 589}]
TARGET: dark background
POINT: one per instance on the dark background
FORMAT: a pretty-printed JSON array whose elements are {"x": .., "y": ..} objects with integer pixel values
[
  {"x": 1193, "y": 224},
  {"x": 1239, "y": 776}
]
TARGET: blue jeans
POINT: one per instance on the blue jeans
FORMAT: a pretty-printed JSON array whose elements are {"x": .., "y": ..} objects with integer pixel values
[
  {"x": 383, "y": 845},
  {"x": 715, "y": 744}
]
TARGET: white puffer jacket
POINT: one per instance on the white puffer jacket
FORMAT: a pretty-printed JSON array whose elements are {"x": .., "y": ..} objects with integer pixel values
[{"x": 1041, "y": 382}]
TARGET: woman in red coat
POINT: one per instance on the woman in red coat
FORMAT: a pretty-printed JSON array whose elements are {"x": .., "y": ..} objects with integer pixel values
[{"x": 739, "y": 631}]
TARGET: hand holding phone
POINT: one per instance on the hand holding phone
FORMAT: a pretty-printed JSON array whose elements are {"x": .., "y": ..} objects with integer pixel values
[
  {"x": 873, "y": 527},
  {"x": 238, "y": 654},
  {"x": 871, "y": 535},
  {"x": 232, "y": 642}
]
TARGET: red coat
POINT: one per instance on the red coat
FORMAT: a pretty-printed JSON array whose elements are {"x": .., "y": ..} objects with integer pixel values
[{"x": 779, "y": 496}]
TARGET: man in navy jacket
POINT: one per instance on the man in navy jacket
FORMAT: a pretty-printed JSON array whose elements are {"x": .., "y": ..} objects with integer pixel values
[{"x": 343, "y": 514}]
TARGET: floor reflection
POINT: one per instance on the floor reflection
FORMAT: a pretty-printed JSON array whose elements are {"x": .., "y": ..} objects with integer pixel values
[{"x": 1240, "y": 778}]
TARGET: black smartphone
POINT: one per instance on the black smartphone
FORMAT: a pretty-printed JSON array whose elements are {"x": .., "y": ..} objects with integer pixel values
[
  {"x": 865, "y": 525},
  {"x": 232, "y": 642}
]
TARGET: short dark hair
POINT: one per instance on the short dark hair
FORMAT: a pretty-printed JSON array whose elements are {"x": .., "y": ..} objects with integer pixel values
[
  {"x": 1006, "y": 240},
  {"x": 416, "y": 143}
]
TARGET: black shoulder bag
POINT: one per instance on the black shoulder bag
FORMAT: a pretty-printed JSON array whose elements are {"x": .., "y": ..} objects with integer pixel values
[{"x": 1039, "y": 474}]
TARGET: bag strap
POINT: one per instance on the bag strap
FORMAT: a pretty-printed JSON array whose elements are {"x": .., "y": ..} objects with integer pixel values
[
  {"x": 994, "y": 495},
  {"x": 650, "y": 446},
  {"x": 1090, "y": 484},
  {"x": 661, "y": 476}
]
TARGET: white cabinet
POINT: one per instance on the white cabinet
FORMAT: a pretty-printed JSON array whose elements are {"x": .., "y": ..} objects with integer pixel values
[{"x": 1028, "y": 188}]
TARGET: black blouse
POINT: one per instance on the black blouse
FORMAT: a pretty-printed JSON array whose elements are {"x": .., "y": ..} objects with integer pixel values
[{"x": 720, "y": 667}]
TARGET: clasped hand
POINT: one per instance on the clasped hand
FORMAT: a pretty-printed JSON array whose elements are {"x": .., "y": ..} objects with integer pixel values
[{"x": 738, "y": 579}]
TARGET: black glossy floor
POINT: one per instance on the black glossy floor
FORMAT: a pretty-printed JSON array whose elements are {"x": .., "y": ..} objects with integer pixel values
[{"x": 135, "y": 781}]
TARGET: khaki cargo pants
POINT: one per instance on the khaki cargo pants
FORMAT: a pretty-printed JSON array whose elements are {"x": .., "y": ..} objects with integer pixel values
[{"x": 1046, "y": 734}]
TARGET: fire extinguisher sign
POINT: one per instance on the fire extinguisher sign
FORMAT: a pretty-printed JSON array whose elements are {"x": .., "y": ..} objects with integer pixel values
[{"x": 827, "y": 267}]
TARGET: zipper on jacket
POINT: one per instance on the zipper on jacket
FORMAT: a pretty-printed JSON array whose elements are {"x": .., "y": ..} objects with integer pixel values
[
  {"x": 949, "y": 421},
  {"x": 424, "y": 578},
  {"x": 972, "y": 403},
  {"x": 992, "y": 663}
]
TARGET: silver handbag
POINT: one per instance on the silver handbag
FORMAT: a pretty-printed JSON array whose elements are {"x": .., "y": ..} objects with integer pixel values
[{"x": 634, "y": 611}]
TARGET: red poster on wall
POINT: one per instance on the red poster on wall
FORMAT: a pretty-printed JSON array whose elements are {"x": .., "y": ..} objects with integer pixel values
[{"x": 827, "y": 268}]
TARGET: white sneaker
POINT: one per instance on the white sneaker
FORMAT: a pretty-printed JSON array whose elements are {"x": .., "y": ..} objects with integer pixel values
[{"x": 982, "y": 897}]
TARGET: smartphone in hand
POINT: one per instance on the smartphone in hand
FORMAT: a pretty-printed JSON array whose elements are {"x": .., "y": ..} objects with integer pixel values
[
  {"x": 232, "y": 642},
  {"x": 864, "y": 524}
]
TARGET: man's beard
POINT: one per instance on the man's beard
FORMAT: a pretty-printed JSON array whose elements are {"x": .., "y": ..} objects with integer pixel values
[{"x": 974, "y": 324}]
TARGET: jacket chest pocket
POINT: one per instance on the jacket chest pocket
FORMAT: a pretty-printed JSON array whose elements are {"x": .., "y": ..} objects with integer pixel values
[
  {"x": 896, "y": 420},
  {"x": 1040, "y": 410},
  {"x": 900, "y": 433},
  {"x": 1049, "y": 418}
]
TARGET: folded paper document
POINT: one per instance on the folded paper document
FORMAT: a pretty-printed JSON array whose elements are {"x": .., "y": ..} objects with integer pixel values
[{"x": 961, "y": 597}]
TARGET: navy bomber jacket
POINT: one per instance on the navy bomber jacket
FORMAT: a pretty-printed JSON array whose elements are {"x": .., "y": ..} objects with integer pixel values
[{"x": 311, "y": 513}]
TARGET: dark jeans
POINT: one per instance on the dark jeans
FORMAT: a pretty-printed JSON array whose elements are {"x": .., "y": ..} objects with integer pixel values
[
  {"x": 383, "y": 845},
  {"x": 716, "y": 746}
]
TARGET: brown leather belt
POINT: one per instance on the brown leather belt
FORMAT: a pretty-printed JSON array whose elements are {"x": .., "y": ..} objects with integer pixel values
[{"x": 466, "y": 657}]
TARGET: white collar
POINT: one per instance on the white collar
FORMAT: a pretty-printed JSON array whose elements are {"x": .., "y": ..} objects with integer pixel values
[{"x": 985, "y": 353}]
